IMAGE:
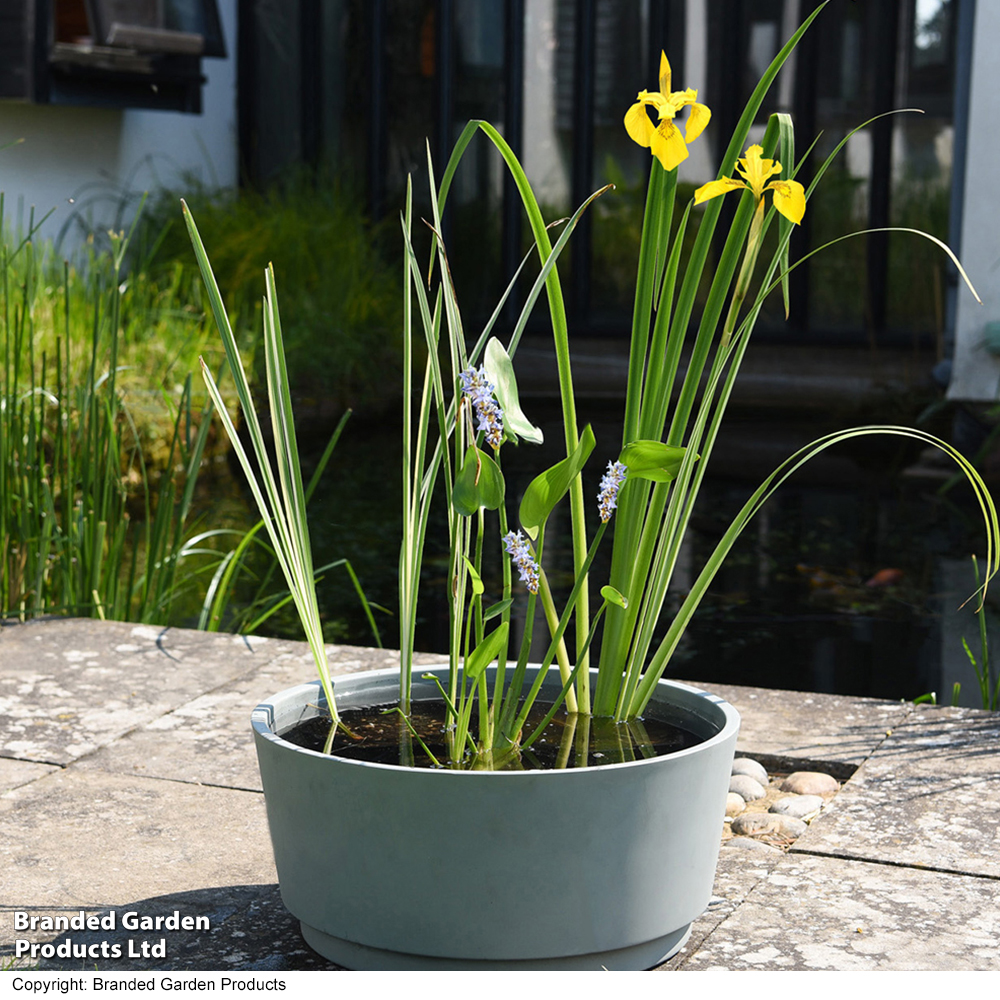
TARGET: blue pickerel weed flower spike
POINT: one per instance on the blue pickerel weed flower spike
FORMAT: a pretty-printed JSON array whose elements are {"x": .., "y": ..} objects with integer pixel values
[
  {"x": 611, "y": 483},
  {"x": 479, "y": 390},
  {"x": 517, "y": 547}
]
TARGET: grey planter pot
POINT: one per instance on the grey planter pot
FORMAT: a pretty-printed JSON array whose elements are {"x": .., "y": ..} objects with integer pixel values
[{"x": 405, "y": 868}]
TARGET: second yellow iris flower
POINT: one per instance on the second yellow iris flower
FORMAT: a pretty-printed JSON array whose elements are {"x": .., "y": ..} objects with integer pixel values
[{"x": 789, "y": 196}]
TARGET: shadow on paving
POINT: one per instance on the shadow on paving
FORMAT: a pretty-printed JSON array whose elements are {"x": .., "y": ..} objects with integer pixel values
[{"x": 248, "y": 930}]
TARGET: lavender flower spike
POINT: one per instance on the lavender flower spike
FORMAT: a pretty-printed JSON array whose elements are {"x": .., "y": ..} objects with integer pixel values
[
  {"x": 480, "y": 392},
  {"x": 611, "y": 482},
  {"x": 517, "y": 547}
]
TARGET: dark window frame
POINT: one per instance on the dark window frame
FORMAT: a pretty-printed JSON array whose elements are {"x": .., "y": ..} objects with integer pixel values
[
  {"x": 42, "y": 68},
  {"x": 726, "y": 84},
  {"x": 106, "y": 16}
]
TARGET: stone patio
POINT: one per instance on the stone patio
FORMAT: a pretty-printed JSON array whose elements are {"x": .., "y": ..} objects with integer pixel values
[{"x": 128, "y": 781}]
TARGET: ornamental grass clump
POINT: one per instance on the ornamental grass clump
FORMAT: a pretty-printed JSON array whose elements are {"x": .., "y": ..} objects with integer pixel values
[
  {"x": 100, "y": 451},
  {"x": 462, "y": 412}
]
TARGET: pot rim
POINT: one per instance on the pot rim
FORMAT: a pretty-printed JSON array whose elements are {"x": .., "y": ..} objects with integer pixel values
[{"x": 263, "y": 715}]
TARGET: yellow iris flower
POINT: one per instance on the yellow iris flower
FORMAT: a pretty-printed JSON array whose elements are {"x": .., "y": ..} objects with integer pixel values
[
  {"x": 664, "y": 139},
  {"x": 789, "y": 196}
]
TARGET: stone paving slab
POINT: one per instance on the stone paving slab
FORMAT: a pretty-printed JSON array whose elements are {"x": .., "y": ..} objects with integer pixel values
[
  {"x": 820, "y": 913},
  {"x": 252, "y": 930},
  {"x": 155, "y": 801},
  {"x": 208, "y": 739},
  {"x": 929, "y": 796},
  {"x": 75, "y": 839},
  {"x": 68, "y": 687},
  {"x": 820, "y": 728},
  {"x": 20, "y": 772},
  {"x": 738, "y": 873}
]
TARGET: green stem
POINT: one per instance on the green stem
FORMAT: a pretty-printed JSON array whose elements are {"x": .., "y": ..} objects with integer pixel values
[
  {"x": 560, "y": 336},
  {"x": 539, "y": 729},
  {"x": 512, "y": 696}
]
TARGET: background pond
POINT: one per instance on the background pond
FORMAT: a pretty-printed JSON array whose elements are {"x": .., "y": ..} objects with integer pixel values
[{"x": 849, "y": 581}]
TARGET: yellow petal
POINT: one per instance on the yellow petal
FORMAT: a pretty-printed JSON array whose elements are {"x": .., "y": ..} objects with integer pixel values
[
  {"x": 697, "y": 119},
  {"x": 756, "y": 169},
  {"x": 714, "y": 188},
  {"x": 789, "y": 199},
  {"x": 638, "y": 125},
  {"x": 673, "y": 103},
  {"x": 668, "y": 145},
  {"x": 664, "y": 74}
]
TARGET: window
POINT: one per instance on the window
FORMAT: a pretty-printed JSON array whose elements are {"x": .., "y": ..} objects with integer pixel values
[
  {"x": 111, "y": 53},
  {"x": 190, "y": 27},
  {"x": 362, "y": 83},
  {"x": 866, "y": 60}
]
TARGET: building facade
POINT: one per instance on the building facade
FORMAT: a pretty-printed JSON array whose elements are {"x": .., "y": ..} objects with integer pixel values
[{"x": 364, "y": 86}]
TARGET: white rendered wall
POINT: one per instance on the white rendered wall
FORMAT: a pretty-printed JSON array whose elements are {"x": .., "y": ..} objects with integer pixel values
[
  {"x": 92, "y": 155},
  {"x": 546, "y": 167},
  {"x": 701, "y": 165},
  {"x": 976, "y": 373}
]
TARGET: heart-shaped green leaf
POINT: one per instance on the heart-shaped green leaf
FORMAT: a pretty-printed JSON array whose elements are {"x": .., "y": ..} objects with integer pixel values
[
  {"x": 547, "y": 489},
  {"x": 613, "y": 596},
  {"x": 652, "y": 460},
  {"x": 479, "y": 484},
  {"x": 500, "y": 372}
]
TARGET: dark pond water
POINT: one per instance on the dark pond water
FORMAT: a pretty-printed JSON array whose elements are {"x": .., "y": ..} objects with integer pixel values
[
  {"x": 849, "y": 581},
  {"x": 565, "y": 741}
]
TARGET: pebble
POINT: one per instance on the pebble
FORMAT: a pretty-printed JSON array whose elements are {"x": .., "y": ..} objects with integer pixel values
[
  {"x": 755, "y": 824},
  {"x": 809, "y": 783},
  {"x": 744, "y": 765},
  {"x": 798, "y": 806},
  {"x": 757, "y": 812},
  {"x": 749, "y": 844},
  {"x": 746, "y": 786}
]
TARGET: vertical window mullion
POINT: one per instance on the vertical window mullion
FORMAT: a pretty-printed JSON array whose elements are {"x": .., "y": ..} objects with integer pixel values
[
  {"x": 310, "y": 78},
  {"x": 885, "y": 47},
  {"x": 666, "y": 26},
  {"x": 40, "y": 36},
  {"x": 806, "y": 90},
  {"x": 246, "y": 92},
  {"x": 444, "y": 61},
  {"x": 583, "y": 154},
  {"x": 514, "y": 133},
  {"x": 656, "y": 41},
  {"x": 965, "y": 18},
  {"x": 377, "y": 110}
]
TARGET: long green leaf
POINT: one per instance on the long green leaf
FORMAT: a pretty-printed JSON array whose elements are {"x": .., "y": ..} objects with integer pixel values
[
  {"x": 760, "y": 496},
  {"x": 281, "y": 508}
]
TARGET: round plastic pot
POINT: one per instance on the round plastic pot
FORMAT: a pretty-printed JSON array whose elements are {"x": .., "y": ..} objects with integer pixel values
[{"x": 391, "y": 867}]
